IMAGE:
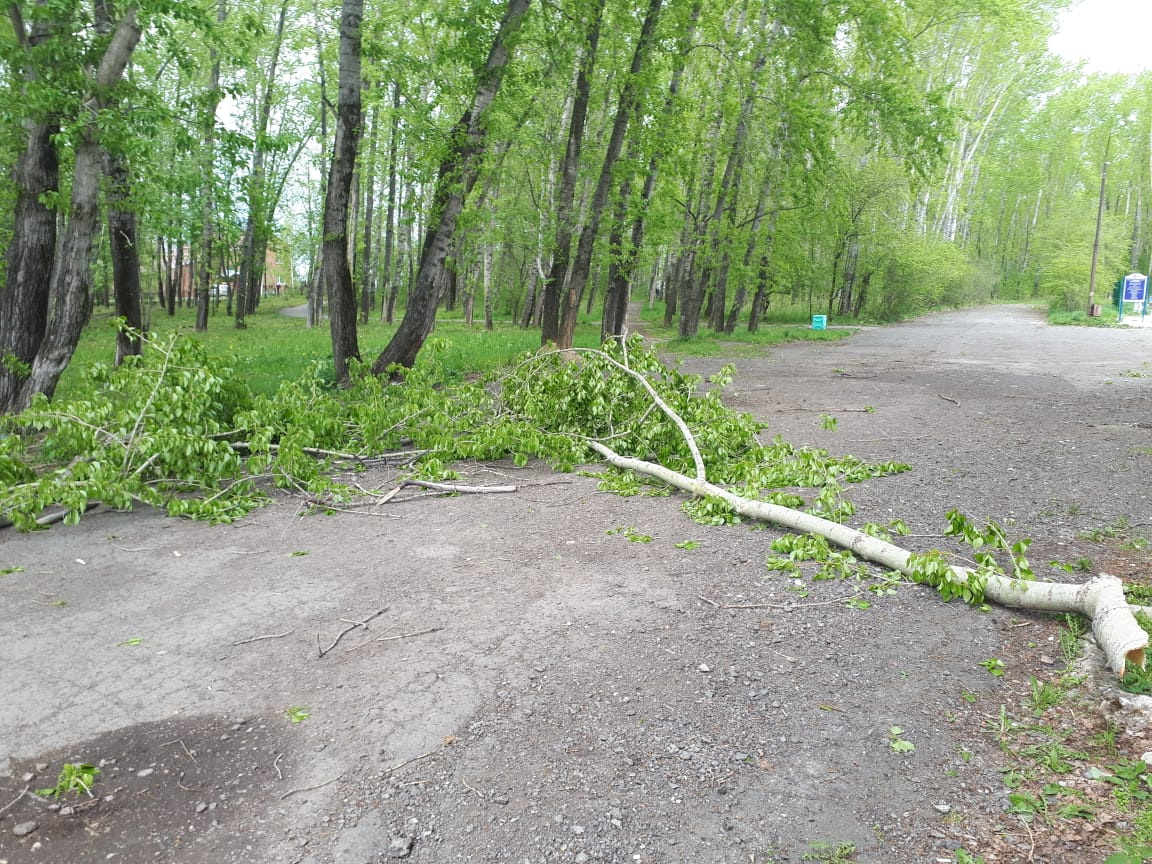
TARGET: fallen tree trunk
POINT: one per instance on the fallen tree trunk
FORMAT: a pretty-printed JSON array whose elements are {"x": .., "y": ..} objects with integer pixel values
[{"x": 1102, "y": 599}]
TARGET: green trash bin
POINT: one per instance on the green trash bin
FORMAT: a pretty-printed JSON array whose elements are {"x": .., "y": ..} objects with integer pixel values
[{"x": 819, "y": 322}]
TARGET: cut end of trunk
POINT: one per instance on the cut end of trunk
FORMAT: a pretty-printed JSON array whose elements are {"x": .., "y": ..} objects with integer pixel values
[{"x": 1136, "y": 657}]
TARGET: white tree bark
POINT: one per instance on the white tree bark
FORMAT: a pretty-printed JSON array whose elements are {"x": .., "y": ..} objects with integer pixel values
[{"x": 1101, "y": 600}]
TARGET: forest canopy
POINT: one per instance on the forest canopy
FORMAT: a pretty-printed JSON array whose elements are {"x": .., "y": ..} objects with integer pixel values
[{"x": 531, "y": 162}]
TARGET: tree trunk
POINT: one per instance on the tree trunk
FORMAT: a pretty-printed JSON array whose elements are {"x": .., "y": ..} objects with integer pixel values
[
  {"x": 125, "y": 257},
  {"x": 763, "y": 285},
  {"x": 619, "y": 267},
  {"x": 337, "y": 274},
  {"x": 316, "y": 283},
  {"x": 206, "y": 281},
  {"x": 24, "y": 300},
  {"x": 628, "y": 105},
  {"x": 457, "y": 176},
  {"x": 368, "y": 264},
  {"x": 566, "y": 192},
  {"x": 622, "y": 265},
  {"x": 489, "y": 294},
  {"x": 387, "y": 284},
  {"x": 72, "y": 265},
  {"x": 176, "y": 276},
  {"x": 256, "y": 230}
]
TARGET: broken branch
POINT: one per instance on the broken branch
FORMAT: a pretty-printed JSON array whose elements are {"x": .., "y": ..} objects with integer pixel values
[
  {"x": 1102, "y": 599},
  {"x": 352, "y": 627}
]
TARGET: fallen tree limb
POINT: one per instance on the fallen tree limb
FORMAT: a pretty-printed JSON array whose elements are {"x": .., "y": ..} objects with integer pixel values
[{"x": 1102, "y": 599}]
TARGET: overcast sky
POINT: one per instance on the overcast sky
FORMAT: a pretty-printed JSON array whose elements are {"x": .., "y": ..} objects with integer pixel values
[{"x": 1112, "y": 35}]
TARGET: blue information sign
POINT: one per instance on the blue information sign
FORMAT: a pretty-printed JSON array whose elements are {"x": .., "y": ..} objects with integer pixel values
[{"x": 1135, "y": 288}]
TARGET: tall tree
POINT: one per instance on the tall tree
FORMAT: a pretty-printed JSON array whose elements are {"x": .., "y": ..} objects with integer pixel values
[
  {"x": 24, "y": 300},
  {"x": 250, "y": 278},
  {"x": 337, "y": 272},
  {"x": 70, "y": 266},
  {"x": 630, "y": 94},
  {"x": 457, "y": 175},
  {"x": 566, "y": 185}
]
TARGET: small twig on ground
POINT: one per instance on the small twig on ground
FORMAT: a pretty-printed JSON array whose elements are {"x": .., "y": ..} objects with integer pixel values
[
  {"x": 823, "y": 410},
  {"x": 709, "y": 602},
  {"x": 180, "y": 741},
  {"x": 180, "y": 783},
  {"x": 259, "y": 638},
  {"x": 447, "y": 488},
  {"x": 788, "y": 606},
  {"x": 471, "y": 788},
  {"x": 396, "y": 768},
  {"x": 408, "y": 635},
  {"x": 947, "y": 399},
  {"x": 15, "y": 800},
  {"x": 321, "y": 504},
  {"x": 276, "y": 765},
  {"x": 1031, "y": 838},
  {"x": 348, "y": 630},
  {"x": 883, "y": 439},
  {"x": 310, "y": 788}
]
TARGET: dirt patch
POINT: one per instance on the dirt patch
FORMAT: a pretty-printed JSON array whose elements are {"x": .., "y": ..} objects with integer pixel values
[{"x": 574, "y": 695}]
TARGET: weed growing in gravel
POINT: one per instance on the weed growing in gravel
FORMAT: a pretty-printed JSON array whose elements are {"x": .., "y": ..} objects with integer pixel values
[
  {"x": 995, "y": 666},
  {"x": 1080, "y": 565},
  {"x": 631, "y": 533},
  {"x": 1044, "y": 695},
  {"x": 78, "y": 777},
  {"x": 830, "y": 853},
  {"x": 964, "y": 857},
  {"x": 1075, "y": 626},
  {"x": 897, "y": 743}
]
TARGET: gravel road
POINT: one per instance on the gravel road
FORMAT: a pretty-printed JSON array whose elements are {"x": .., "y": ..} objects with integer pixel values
[{"x": 539, "y": 689}]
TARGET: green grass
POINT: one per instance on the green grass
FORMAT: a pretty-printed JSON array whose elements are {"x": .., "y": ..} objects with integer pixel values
[
  {"x": 784, "y": 324},
  {"x": 274, "y": 347},
  {"x": 1079, "y": 317}
]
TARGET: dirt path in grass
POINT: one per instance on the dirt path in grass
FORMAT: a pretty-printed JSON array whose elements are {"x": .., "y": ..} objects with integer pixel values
[{"x": 534, "y": 688}]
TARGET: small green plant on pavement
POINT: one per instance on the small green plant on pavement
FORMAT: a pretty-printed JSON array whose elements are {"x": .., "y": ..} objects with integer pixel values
[
  {"x": 78, "y": 778},
  {"x": 897, "y": 743},
  {"x": 830, "y": 853},
  {"x": 995, "y": 666}
]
